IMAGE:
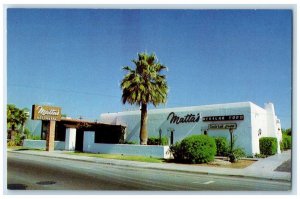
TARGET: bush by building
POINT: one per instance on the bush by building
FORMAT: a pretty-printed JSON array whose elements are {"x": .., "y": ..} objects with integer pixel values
[
  {"x": 194, "y": 149},
  {"x": 130, "y": 142},
  {"x": 268, "y": 145},
  {"x": 222, "y": 146},
  {"x": 286, "y": 142},
  {"x": 237, "y": 154},
  {"x": 157, "y": 141}
]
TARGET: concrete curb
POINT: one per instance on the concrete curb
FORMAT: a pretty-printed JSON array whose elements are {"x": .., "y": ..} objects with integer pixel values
[{"x": 156, "y": 166}]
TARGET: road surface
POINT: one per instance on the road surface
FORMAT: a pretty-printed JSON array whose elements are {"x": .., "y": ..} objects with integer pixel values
[{"x": 29, "y": 172}]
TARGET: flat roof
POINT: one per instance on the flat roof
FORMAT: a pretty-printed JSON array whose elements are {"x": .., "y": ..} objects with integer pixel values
[{"x": 72, "y": 123}]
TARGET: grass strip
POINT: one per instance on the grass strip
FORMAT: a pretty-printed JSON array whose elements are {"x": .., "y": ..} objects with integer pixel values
[{"x": 119, "y": 157}]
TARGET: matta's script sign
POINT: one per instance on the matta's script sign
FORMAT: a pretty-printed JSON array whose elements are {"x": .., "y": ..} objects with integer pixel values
[
  {"x": 189, "y": 118},
  {"x": 46, "y": 113}
]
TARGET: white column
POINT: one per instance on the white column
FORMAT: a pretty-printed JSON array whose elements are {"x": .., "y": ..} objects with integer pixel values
[
  {"x": 70, "y": 139},
  {"x": 88, "y": 141}
]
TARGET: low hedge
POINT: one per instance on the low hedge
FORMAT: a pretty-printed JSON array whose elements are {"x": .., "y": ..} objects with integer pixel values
[
  {"x": 222, "y": 146},
  {"x": 194, "y": 149},
  {"x": 156, "y": 141},
  {"x": 268, "y": 145},
  {"x": 286, "y": 142}
]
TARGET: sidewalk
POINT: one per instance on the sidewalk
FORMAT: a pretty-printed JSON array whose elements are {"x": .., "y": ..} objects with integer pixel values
[{"x": 263, "y": 168}]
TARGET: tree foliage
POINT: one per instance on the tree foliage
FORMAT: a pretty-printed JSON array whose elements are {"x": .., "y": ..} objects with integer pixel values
[
  {"x": 287, "y": 131},
  {"x": 16, "y": 119},
  {"x": 143, "y": 85}
]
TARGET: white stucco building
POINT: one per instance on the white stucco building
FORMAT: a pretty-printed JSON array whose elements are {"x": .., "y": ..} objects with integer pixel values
[{"x": 248, "y": 121}]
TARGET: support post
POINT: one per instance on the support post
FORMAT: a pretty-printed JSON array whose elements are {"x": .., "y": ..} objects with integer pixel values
[
  {"x": 160, "y": 136},
  {"x": 231, "y": 140},
  {"x": 50, "y": 135}
]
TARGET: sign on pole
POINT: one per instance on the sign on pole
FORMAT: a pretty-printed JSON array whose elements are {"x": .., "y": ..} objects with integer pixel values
[
  {"x": 223, "y": 126},
  {"x": 49, "y": 114},
  {"x": 40, "y": 112}
]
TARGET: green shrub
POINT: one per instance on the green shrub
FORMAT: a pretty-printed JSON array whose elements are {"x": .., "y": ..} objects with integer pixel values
[
  {"x": 286, "y": 142},
  {"x": 257, "y": 155},
  {"x": 156, "y": 141},
  {"x": 287, "y": 131},
  {"x": 194, "y": 149},
  {"x": 239, "y": 153},
  {"x": 130, "y": 142},
  {"x": 16, "y": 140},
  {"x": 11, "y": 143},
  {"x": 268, "y": 145},
  {"x": 222, "y": 146},
  {"x": 153, "y": 141},
  {"x": 34, "y": 137},
  {"x": 164, "y": 141},
  {"x": 236, "y": 155},
  {"x": 27, "y": 133}
]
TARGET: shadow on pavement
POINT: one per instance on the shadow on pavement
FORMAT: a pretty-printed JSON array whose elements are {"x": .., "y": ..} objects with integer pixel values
[
  {"x": 284, "y": 167},
  {"x": 16, "y": 186}
]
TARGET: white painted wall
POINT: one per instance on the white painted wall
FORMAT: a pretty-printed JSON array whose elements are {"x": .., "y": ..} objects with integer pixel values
[
  {"x": 259, "y": 126},
  {"x": 130, "y": 149},
  {"x": 274, "y": 127},
  {"x": 125, "y": 149},
  {"x": 70, "y": 139},
  {"x": 88, "y": 141},
  {"x": 246, "y": 134},
  {"x": 41, "y": 144}
]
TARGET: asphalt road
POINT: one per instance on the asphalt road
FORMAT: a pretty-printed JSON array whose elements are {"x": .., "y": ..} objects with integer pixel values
[{"x": 29, "y": 172}]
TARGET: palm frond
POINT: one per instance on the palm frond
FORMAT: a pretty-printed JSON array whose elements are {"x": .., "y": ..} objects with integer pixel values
[{"x": 144, "y": 84}]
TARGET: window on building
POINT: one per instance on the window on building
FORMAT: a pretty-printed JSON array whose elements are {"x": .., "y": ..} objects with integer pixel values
[{"x": 109, "y": 134}]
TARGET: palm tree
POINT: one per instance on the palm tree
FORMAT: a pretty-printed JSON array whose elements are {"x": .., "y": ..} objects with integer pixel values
[
  {"x": 16, "y": 117},
  {"x": 143, "y": 85},
  {"x": 23, "y": 116},
  {"x": 12, "y": 116}
]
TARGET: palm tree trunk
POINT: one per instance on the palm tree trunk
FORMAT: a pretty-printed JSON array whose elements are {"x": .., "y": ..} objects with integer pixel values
[
  {"x": 143, "y": 130},
  {"x": 12, "y": 132}
]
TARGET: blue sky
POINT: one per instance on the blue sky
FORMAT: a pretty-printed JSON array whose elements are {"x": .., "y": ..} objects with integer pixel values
[{"x": 73, "y": 57}]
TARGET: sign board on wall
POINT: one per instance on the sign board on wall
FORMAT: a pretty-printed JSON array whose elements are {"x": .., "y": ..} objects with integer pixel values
[
  {"x": 223, "y": 126},
  {"x": 40, "y": 112},
  {"x": 189, "y": 118},
  {"x": 223, "y": 118}
]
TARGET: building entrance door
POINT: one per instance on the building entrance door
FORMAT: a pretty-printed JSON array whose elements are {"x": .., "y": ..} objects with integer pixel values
[{"x": 79, "y": 140}]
